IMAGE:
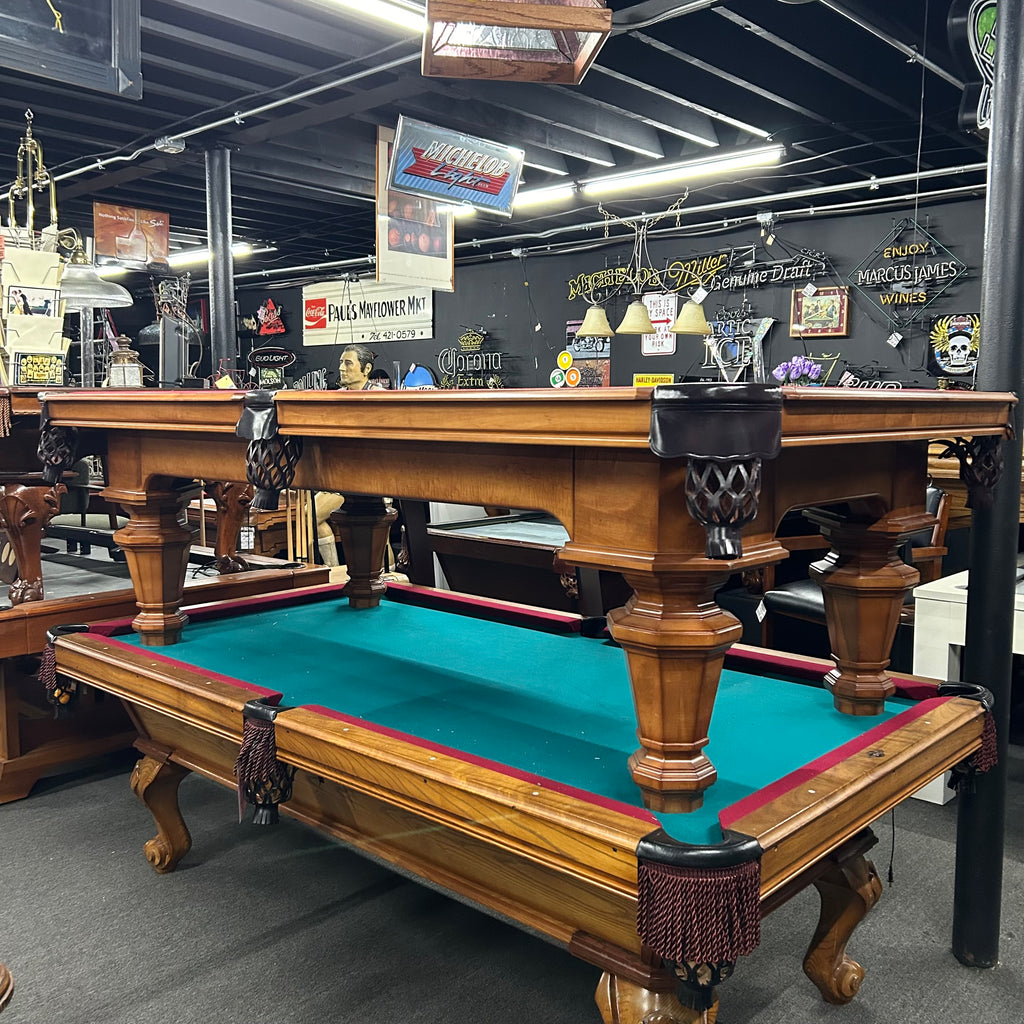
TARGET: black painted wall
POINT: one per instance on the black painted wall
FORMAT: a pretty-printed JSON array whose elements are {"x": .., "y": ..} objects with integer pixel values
[{"x": 508, "y": 299}]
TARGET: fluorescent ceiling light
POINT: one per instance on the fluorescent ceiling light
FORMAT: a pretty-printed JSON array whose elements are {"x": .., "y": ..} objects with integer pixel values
[
  {"x": 548, "y": 194},
  {"x": 682, "y": 170},
  {"x": 411, "y": 17},
  {"x": 457, "y": 209},
  {"x": 650, "y": 176},
  {"x": 187, "y": 257}
]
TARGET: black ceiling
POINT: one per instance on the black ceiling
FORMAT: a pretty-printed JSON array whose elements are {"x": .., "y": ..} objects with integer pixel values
[{"x": 856, "y": 96}]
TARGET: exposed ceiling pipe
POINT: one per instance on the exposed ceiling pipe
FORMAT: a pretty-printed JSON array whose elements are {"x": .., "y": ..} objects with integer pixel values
[
  {"x": 728, "y": 224},
  {"x": 887, "y": 37},
  {"x": 237, "y": 117},
  {"x": 852, "y": 206},
  {"x": 653, "y": 12},
  {"x": 761, "y": 201}
]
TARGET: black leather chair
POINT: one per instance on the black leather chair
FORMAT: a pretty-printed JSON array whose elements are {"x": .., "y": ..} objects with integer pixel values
[{"x": 803, "y": 598}]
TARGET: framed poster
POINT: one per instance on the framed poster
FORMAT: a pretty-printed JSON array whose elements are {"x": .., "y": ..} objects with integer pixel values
[
  {"x": 825, "y": 314},
  {"x": 415, "y": 237},
  {"x": 89, "y": 43}
]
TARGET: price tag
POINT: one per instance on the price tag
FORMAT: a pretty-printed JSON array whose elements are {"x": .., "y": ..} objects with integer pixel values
[
  {"x": 247, "y": 538},
  {"x": 760, "y": 611}
]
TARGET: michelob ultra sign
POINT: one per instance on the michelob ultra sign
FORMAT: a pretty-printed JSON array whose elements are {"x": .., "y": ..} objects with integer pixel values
[{"x": 451, "y": 167}]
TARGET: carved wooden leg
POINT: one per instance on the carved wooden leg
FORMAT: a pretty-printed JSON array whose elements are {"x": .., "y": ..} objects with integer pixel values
[
  {"x": 155, "y": 782},
  {"x": 232, "y": 502},
  {"x": 675, "y": 638},
  {"x": 864, "y": 582},
  {"x": 848, "y": 891},
  {"x": 156, "y": 548},
  {"x": 6, "y": 987},
  {"x": 25, "y": 512},
  {"x": 364, "y": 522},
  {"x": 626, "y": 1002}
]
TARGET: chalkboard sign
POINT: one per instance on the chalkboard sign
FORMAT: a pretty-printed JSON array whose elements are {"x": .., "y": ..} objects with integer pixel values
[{"x": 89, "y": 43}]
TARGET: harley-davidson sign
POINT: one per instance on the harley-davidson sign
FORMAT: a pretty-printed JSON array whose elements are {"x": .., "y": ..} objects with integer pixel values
[{"x": 448, "y": 166}]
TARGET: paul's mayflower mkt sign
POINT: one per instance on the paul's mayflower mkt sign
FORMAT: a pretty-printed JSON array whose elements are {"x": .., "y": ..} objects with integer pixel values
[{"x": 451, "y": 167}]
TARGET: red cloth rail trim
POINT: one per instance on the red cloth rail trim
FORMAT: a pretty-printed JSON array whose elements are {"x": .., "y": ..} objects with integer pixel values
[
  {"x": 731, "y": 814},
  {"x": 752, "y": 659},
  {"x": 540, "y": 781},
  {"x": 261, "y": 691}
]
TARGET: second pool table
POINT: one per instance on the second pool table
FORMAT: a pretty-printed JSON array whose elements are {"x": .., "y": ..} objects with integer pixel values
[{"x": 481, "y": 746}]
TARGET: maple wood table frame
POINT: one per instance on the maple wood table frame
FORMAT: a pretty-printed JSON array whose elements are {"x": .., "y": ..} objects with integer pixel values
[
  {"x": 501, "y": 780},
  {"x": 584, "y": 457}
]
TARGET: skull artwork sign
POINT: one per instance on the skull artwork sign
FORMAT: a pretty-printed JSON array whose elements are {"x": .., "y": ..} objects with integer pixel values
[{"x": 955, "y": 341}]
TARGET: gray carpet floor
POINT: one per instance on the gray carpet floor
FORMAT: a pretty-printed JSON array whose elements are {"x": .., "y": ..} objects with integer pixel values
[{"x": 282, "y": 925}]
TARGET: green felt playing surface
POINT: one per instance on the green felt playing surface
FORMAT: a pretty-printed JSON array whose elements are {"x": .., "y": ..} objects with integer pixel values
[{"x": 558, "y": 706}]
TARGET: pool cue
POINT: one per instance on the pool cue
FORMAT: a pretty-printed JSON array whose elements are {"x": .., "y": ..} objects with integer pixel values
[
  {"x": 310, "y": 530},
  {"x": 202, "y": 514},
  {"x": 288, "y": 525}
]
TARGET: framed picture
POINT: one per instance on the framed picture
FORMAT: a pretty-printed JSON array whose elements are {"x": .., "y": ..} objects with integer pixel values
[
  {"x": 825, "y": 314},
  {"x": 94, "y": 44}
]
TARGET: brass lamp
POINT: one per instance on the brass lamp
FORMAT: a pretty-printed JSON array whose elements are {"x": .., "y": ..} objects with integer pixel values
[
  {"x": 595, "y": 324},
  {"x": 637, "y": 320},
  {"x": 125, "y": 366},
  {"x": 515, "y": 40},
  {"x": 691, "y": 320}
]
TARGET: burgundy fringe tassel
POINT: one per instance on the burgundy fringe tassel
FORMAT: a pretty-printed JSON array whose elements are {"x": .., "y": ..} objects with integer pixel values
[
  {"x": 60, "y": 695},
  {"x": 706, "y": 915},
  {"x": 262, "y": 780},
  {"x": 987, "y": 755},
  {"x": 5, "y": 415}
]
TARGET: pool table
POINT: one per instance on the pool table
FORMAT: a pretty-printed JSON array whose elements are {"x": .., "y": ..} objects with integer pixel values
[
  {"x": 648, "y": 509},
  {"x": 481, "y": 746}
]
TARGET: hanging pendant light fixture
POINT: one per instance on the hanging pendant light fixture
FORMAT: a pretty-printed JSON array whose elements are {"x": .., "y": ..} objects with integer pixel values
[
  {"x": 513, "y": 40},
  {"x": 81, "y": 287},
  {"x": 637, "y": 319},
  {"x": 691, "y": 320},
  {"x": 595, "y": 324}
]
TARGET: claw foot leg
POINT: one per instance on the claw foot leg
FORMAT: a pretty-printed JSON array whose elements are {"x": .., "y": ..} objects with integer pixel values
[
  {"x": 848, "y": 891},
  {"x": 155, "y": 782}
]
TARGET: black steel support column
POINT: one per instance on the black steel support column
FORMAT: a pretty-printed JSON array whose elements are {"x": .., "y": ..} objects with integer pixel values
[
  {"x": 988, "y": 656},
  {"x": 223, "y": 333}
]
